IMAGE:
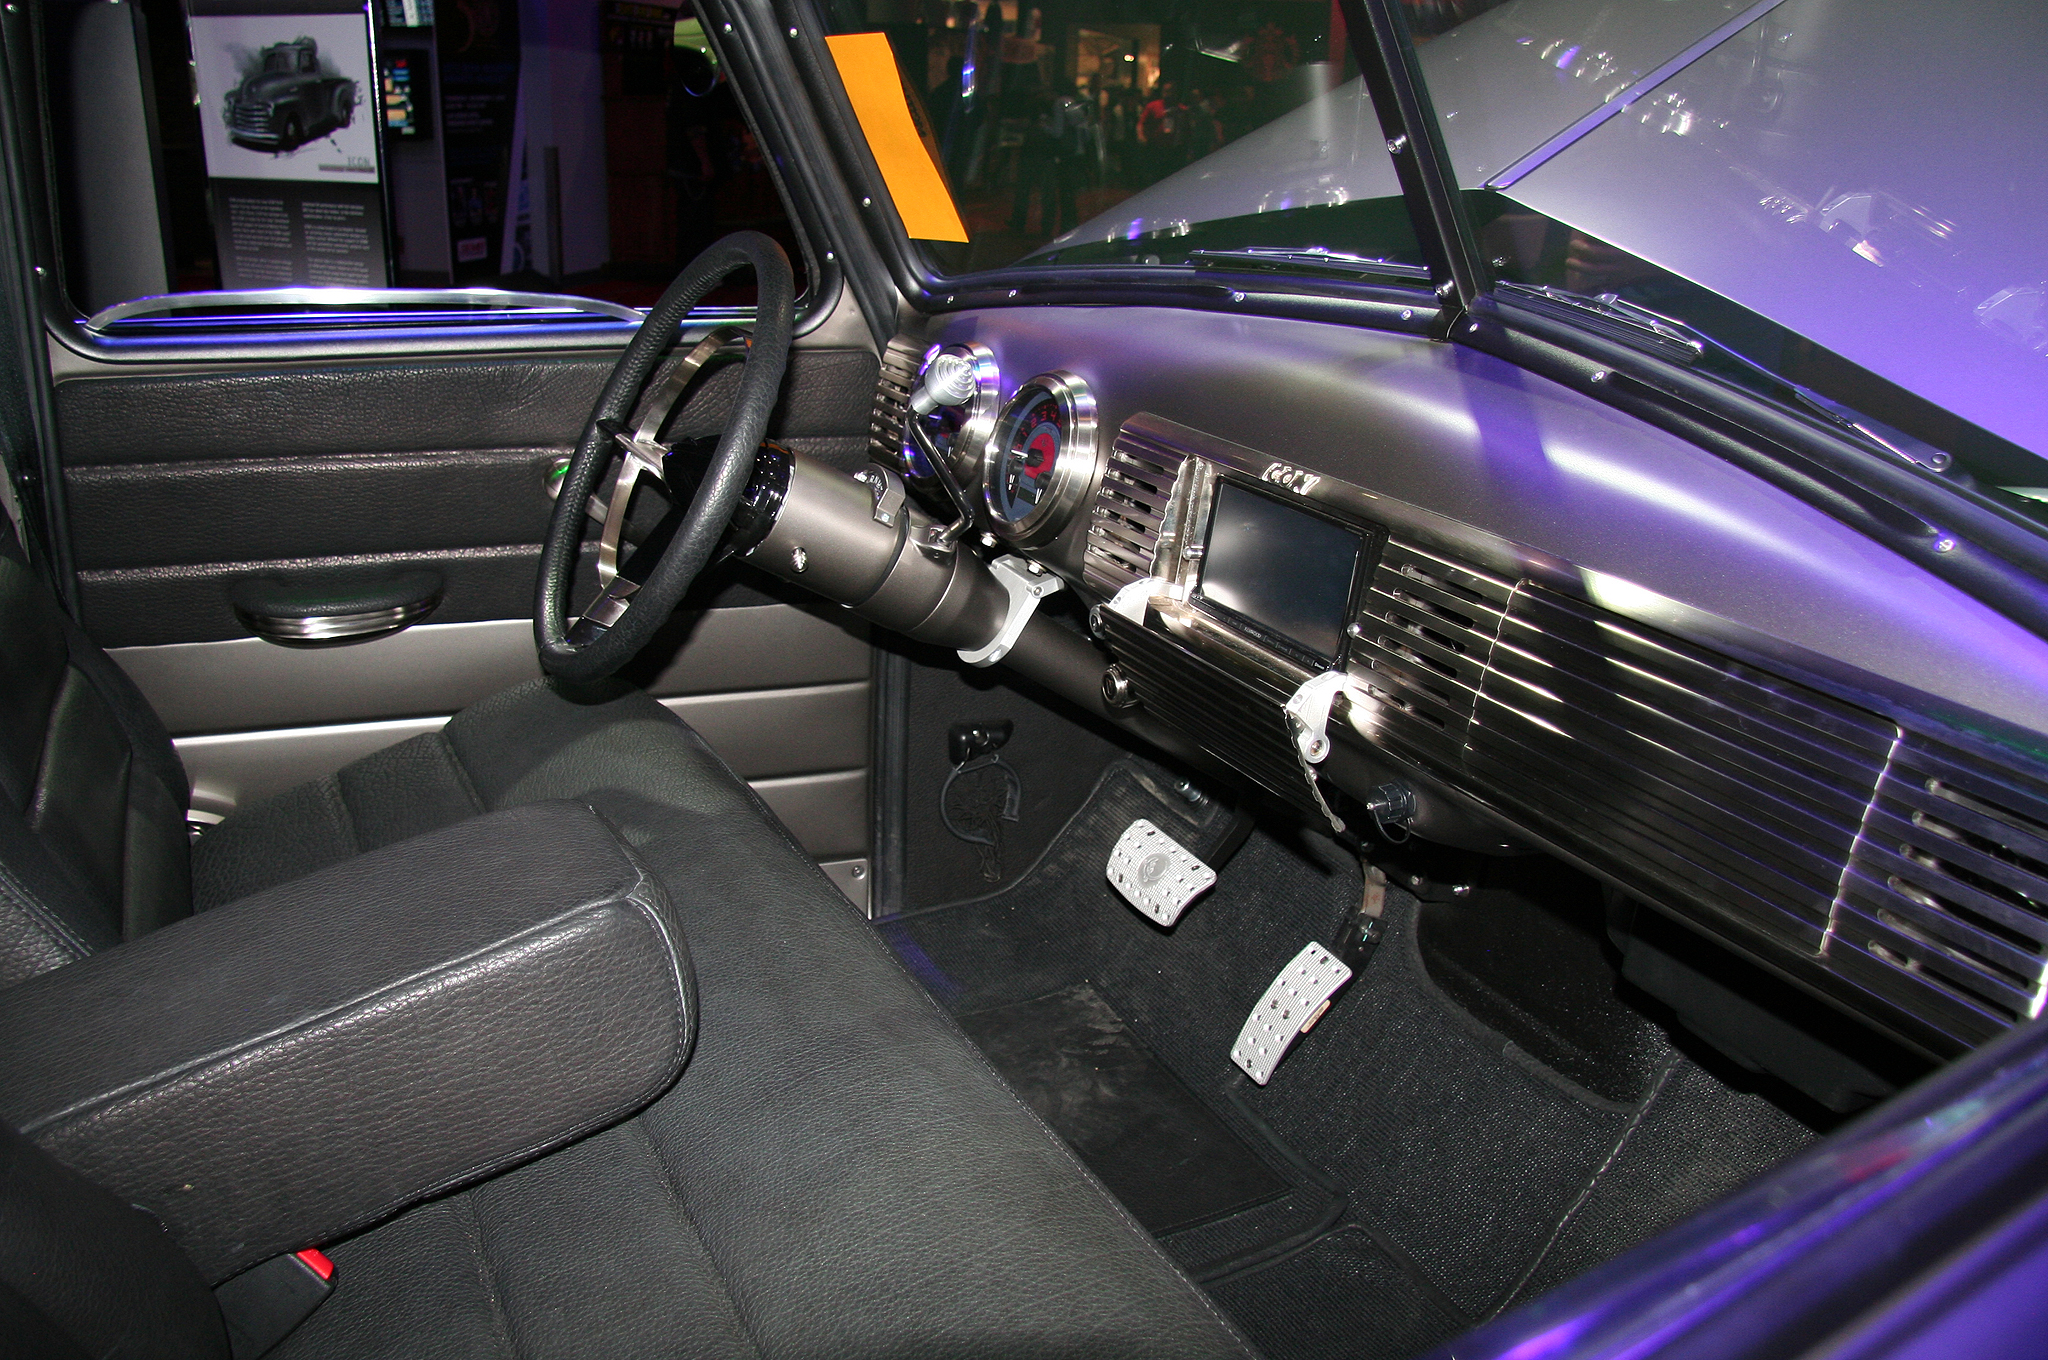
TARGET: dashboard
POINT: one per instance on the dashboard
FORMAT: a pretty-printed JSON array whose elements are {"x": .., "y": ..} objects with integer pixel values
[{"x": 1336, "y": 561}]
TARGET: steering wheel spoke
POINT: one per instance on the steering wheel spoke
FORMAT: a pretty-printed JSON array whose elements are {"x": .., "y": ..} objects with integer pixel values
[
  {"x": 729, "y": 342},
  {"x": 635, "y": 463}
]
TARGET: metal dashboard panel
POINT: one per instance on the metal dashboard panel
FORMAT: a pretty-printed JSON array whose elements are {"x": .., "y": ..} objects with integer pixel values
[
  {"x": 1590, "y": 627},
  {"x": 1464, "y": 452}
]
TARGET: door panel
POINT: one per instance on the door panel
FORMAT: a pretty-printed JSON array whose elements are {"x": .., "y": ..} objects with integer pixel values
[
  {"x": 248, "y": 684},
  {"x": 180, "y": 482},
  {"x": 177, "y": 483},
  {"x": 139, "y": 515},
  {"x": 763, "y": 735},
  {"x": 782, "y": 693}
]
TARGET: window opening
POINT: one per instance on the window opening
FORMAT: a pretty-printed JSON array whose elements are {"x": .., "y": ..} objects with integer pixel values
[{"x": 582, "y": 147}]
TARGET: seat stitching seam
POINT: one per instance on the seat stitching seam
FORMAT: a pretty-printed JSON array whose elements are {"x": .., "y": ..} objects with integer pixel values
[
  {"x": 39, "y": 790},
  {"x": 40, "y": 915},
  {"x": 463, "y": 779},
  {"x": 330, "y": 792},
  {"x": 325, "y": 1017},
  {"x": 486, "y": 1274},
  {"x": 675, "y": 1195}
]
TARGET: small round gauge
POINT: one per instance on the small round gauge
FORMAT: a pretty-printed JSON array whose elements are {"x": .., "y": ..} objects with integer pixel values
[
  {"x": 959, "y": 432},
  {"x": 1041, "y": 457}
]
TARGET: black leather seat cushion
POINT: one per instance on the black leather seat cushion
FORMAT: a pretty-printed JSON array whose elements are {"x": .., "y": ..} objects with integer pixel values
[
  {"x": 528, "y": 744},
  {"x": 836, "y": 1173},
  {"x": 92, "y": 798}
]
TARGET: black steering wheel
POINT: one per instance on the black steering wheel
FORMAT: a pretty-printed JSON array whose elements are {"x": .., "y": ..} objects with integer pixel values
[{"x": 640, "y": 592}]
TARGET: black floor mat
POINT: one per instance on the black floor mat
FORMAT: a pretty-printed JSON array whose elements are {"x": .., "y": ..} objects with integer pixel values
[
  {"x": 1366, "y": 1305},
  {"x": 1154, "y": 1144},
  {"x": 1444, "y": 1173}
]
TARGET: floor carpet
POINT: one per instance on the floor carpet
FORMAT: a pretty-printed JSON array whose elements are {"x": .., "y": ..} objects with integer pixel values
[{"x": 1426, "y": 1171}]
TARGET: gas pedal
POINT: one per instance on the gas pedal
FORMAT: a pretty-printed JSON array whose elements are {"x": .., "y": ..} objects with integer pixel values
[
  {"x": 1289, "y": 1009},
  {"x": 1155, "y": 873}
]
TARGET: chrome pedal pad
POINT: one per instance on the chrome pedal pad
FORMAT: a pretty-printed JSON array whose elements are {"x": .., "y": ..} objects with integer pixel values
[
  {"x": 1155, "y": 874},
  {"x": 1288, "y": 1010}
]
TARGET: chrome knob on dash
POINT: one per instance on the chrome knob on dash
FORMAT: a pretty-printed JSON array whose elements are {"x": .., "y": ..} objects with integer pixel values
[{"x": 948, "y": 381}]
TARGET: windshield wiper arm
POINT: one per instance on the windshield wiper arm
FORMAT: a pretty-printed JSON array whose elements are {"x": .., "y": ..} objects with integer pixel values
[
  {"x": 1633, "y": 324},
  {"x": 1308, "y": 260},
  {"x": 1876, "y": 431},
  {"x": 1616, "y": 319}
]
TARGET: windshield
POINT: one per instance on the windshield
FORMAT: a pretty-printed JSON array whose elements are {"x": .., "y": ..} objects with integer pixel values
[
  {"x": 1846, "y": 199},
  {"x": 1054, "y": 127},
  {"x": 1850, "y": 196},
  {"x": 278, "y": 62}
]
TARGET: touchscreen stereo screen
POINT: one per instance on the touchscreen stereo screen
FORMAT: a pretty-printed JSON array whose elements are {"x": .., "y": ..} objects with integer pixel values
[{"x": 1287, "y": 571}]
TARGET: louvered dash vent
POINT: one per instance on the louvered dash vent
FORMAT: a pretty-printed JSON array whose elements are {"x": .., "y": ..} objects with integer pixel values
[
  {"x": 900, "y": 360},
  {"x": 1679, "y": 768},
  {"x": 1232, "y": 714},
  {"x": 1130, "y": 510},
  {"x": 1420, "y": 647},
  {"x": 1945, "y": 906}
]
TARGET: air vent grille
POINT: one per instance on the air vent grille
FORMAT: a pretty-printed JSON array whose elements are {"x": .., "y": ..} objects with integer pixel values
[
  {"x": 1709, "y": 779},
  {"x": 1948, "y": 887},
  {"x": 1419, "y": 647},
  {"x": 1234, "y": 715},
  {"x": 1130, "y": 511},
  {"x": 900, "y": 361},
  {"x": 1912, "y": 866}
]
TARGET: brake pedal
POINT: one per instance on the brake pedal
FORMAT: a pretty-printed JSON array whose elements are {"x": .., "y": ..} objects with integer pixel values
[
  {"x": 1155, "y": 873},
  {"x": 1289, "y": 1009}
]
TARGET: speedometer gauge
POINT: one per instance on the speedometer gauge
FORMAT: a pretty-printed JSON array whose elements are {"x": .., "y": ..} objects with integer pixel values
[{"x": 1041, "y": 458}]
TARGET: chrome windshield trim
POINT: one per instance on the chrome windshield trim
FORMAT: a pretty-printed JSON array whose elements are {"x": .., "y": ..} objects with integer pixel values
[{"x": 478, "y": 300}]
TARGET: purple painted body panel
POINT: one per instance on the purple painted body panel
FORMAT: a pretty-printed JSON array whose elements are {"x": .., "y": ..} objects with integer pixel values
[{"x": 1868, "y": 173}]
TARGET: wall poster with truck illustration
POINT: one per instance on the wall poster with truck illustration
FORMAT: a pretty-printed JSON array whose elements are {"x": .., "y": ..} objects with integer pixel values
[{"x": 289, "y": 115}]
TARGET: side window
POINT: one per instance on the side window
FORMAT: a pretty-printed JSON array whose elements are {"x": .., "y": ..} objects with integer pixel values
[{"x": 587, "y": 148}]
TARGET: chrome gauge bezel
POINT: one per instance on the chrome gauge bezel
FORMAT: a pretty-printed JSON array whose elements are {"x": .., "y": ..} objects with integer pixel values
[
  {"x": 970, "y": 443},
  {"x": 1074, "y": 472}
]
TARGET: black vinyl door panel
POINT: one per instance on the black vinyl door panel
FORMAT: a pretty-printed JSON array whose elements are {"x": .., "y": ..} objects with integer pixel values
[{"x": 180, "y": 483}]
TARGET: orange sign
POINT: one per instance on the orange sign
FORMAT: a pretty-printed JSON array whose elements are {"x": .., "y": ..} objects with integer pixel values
[{"x": 902, "y": 147}]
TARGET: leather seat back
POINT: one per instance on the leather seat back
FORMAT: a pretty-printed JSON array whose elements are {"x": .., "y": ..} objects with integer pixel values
[{"x": 93, "y": 847}]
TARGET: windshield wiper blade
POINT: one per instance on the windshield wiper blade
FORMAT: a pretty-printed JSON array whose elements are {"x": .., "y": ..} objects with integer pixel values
[
  {"x": 1615, "y": 318},
  {"x": 1630, "y": 323},
  {"x": 1876, "y": 431},
  {"x": 1309, "y": 260}
]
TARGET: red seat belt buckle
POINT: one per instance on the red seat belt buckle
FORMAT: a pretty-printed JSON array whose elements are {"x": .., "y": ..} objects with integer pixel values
[{"x": 262, "y": 1305}]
